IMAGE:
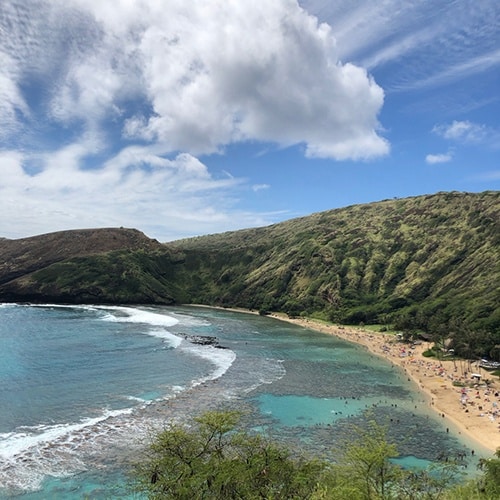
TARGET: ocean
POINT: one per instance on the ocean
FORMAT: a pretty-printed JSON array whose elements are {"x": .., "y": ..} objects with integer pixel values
[{"x": 82, "y": 389}]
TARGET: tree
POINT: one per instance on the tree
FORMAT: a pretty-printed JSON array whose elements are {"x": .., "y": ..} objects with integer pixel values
[
  {"x": 212, "y": 460},
  {"x": 491, "y": 475},
  {"x": 366, "y": 462}
]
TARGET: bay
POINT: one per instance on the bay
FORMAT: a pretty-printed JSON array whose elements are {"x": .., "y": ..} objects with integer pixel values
[{"x": 83, "y": 387}]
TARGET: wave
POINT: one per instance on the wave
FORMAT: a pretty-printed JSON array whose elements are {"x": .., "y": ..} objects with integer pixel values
[
  {"x": 49, "y": 305},
  {"x": 15, "y": 443},
  {"x": 221, "y": 358},
  {"x": 121, "y": 314},
  {"x": 249, "y": 374},
  {"x": 32, "y": 453},
  {"x": 171, "y": 339},
  {"x": 134, "y": 315}
]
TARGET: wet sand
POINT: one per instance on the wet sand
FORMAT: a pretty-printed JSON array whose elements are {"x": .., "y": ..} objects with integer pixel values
[{"x": 473, "y": 409}]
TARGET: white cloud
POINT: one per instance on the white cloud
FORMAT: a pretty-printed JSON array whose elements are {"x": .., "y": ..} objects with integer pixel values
[
  {"x": 469, "y": 132},
  {"x": 167, "y": 199},
  {"x": 361, "y": 26},
  {"x": 461, "y": 70},
  {"x": 211, "y": 74},
  {"x": 116, "y": 99},
  {"x": 260, "y": 187},
  {"x": 246, "y": 71},
  {"x": 11, "y": 99},
  {"x": 427, "y": 47},
  {"x": 439, "y": 158}
]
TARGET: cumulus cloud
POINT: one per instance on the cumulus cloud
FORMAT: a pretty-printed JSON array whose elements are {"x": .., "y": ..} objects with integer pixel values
[
  {"x": 438, "y": 158},
  {"x": 458, "y": 130},
  {"x": 208, "y": 74},
  {"x": 244, "y": 71}
]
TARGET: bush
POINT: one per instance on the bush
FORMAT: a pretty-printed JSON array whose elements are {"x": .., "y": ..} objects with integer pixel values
[{"x": 212, "y": 460}]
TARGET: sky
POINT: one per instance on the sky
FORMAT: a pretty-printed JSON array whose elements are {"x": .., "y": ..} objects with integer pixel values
[{"x": 188, "y": 118}]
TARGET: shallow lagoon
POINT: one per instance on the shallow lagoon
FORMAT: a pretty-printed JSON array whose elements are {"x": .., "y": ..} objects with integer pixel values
[{"x": 306, "y": 388}]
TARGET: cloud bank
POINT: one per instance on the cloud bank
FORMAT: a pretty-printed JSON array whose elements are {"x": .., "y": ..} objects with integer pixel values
[
  {"x": 102, "y": 99},
  {"x": 192, "y": 76}
]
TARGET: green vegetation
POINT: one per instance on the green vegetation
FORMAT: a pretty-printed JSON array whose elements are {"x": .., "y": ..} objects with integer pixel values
[
  {"x": 213, "y": 459},
  {"x": 427, "y": 265},
  {"x": 113, "y": 277}
]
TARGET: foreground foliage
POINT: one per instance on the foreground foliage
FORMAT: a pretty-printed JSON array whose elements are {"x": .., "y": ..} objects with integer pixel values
[{"x": 213, "y": 459}]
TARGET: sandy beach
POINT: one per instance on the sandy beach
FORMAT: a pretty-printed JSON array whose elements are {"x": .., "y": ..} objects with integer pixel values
[{"x": 474, "y": 410}]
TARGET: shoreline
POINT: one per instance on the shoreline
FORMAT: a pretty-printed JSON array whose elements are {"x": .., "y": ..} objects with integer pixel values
[
  {"x": 474, "y": 411},
  {"x": 471, "y": 413}
]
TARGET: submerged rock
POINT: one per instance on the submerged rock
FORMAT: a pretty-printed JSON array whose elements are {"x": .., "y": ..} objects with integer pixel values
[{"x": 202, "y": 340}]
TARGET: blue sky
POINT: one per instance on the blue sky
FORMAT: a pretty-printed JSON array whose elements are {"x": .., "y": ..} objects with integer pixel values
[{"x": 187, "y": 118}]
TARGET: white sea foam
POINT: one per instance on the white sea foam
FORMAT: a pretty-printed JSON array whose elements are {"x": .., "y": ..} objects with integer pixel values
[
  {"x": 169, "y": 338},
  {"x": 15, "y": 443},
  {"x": 139, "y": 400},
  {"x": 190, "y": 321},
  {"x": 250, "y": 374},
  {"x": 134, "y": 315},
  {"x": 221, "y": 358},
  {"x": 120, "y": 314},
  {"x": 85, "y": 307},
  {"x": 33, "y": 453}
]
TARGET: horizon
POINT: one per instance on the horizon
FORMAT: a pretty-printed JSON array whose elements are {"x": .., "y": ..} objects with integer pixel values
[{"x": 197, "y": 119}]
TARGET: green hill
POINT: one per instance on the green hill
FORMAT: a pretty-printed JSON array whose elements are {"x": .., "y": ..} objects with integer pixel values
[{"x": 429, "y": 263}]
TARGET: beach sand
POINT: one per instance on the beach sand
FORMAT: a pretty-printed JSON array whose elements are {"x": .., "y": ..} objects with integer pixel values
[{"x": 474, "y": 411}]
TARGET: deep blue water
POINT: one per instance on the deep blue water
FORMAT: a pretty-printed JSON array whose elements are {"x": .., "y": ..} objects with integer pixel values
[{"x": 82, "y": 386}]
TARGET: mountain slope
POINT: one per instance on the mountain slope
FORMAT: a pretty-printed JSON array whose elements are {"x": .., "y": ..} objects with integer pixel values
[
  {"x": 427, "y": 262},
  {"x": 19, "y": 257},
  {"x": 439, "y": 252},
  {"x": 71, "y": 266}
]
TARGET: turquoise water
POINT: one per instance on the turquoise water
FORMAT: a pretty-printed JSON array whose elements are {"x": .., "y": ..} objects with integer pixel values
[
  {"x": 82, "y": 386},
  {"x": 289, "y": 410}
]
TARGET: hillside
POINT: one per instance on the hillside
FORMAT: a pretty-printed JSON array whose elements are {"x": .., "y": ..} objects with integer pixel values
[
  {"x": 20, "y": 259},
  {"x": 427, "y": 263},
  {"x": 423, "y": 255}
]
